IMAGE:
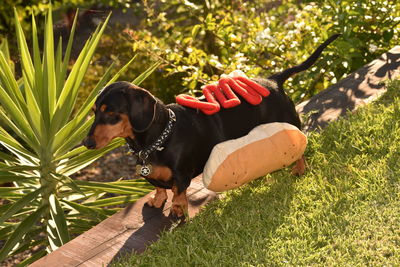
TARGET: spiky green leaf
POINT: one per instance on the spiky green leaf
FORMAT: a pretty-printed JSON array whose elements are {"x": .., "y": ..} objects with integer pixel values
[{"x": 24, "y": 227}]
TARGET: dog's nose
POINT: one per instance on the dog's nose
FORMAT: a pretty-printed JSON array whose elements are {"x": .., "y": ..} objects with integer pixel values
[{"x": 90, "y": 143}]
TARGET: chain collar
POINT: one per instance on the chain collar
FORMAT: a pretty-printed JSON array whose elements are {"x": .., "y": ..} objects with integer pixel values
[{"x": 157, "y": 145}]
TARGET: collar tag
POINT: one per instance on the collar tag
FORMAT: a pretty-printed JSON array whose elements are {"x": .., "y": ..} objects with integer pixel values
[{"x": 144, "y": 170}]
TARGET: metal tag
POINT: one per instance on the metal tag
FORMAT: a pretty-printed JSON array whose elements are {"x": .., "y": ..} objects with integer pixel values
[{"x": 143, "y": 170}]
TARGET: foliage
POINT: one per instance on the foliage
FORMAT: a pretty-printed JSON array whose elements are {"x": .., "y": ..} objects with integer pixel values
[
  {"x": 25, "y": 8},
  {"x": 199, "y": 40},
  {"x": 344, "y": 211},
  {"x": 38, "y": 7},
  {"x": 44, "y": 206}
]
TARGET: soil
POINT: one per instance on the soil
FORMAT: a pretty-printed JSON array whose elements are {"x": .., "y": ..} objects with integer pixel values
[{"x": 112, "y": 166}]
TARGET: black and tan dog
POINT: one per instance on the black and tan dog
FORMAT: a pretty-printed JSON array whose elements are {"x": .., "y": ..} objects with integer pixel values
[{"x": 173, "y": 147}]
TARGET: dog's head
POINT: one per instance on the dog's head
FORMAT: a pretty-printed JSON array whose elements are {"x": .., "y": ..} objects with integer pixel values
[{"x": 121, "y": 109}]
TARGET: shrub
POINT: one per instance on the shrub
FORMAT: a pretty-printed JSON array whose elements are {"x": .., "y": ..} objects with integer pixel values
[
  {"x": 44, "y": 206},
  {"x": 199, "y": 40},
  {"x": 38, "y": 7}
]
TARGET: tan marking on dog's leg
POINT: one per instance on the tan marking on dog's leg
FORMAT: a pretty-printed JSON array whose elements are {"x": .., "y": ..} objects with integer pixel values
[
  {"x": 158, "y": 200},
  {"x": 179, "y": 203},
  {"x": 160, "y": 173},
  {"x": 300, "y": 166}
]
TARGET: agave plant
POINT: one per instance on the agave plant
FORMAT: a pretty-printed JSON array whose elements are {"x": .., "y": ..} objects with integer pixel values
[{"x": 40, "y": 133}]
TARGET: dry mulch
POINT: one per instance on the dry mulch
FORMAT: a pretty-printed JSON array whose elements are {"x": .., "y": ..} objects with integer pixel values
[{"x": 112, "y": 166}]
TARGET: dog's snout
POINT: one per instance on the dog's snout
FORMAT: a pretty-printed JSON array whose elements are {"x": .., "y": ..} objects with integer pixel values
[{"x": 89, "y": 142}]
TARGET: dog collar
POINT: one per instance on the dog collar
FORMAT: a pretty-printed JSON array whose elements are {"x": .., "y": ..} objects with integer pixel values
[{"x": 143, "y": 154}]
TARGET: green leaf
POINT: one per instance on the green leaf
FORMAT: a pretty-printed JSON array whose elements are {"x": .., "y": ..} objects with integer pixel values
[
  {"x": 79, "y": 162},
  {"x": 78, "y": 224},
  {"x": 71, "y": 138},
  {"x": 90, "y": 100},
  {"x": 58, "y": 62},
  {"x": 112, "y": 201},
  {"x": 49, "y": 64},
  {"x": 6, "y": 231},
  {"x": 29, "y": 243},
  {"x": 20, "y": 204},
  {"x": 32, "y": 258},
  {"x": 34, "y": 115},
  {"x": 27, "y": 66},
  {"x": 62, "y": 75},
  {"x": 5, "y": 156},
  {"x": 58, "y": 222},
  {"x": 67, "y": 181},
  {"x": 146, "y": 74},
  {"x": 7, "y": 189},
  {"x": 116, "y": 76},
  {"x": 14, "y": 146},
  {"x": 39, "y": 94},
  {"x": 90, "y": 211},
  {"x": 195, "y": 30},
  {"x": 18, "y": 117},
  {"x": 111, "y": 188},
  {"x": 5, "y": 119},
  {"x": 24, "y": 227},
  {"x": 64, "y": 102},
  {"x": 388, "y": 35},
  {"x": 9, "y": 83},
  {"x": 6, "y": 177},
  {"x": 68, "y": 95},
  {"x": 35, "y": 110},
  {"x": 76, "y": 151},
  {"x": 20, "y": 168},
  {"x": 6, "y": 51}
]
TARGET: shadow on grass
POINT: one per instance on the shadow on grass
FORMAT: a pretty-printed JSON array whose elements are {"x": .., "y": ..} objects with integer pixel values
[{"x": 349, "y": 92}]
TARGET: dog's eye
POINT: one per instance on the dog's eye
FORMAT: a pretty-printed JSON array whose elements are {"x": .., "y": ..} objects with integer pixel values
[{"x": 112, "y": 117}]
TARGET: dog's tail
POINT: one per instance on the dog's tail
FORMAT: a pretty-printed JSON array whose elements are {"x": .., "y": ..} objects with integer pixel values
[{"x": 281, "y": 77}]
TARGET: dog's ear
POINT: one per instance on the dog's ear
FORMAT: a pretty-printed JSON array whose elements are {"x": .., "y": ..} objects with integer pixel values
[{"x": 142, "y": 108}]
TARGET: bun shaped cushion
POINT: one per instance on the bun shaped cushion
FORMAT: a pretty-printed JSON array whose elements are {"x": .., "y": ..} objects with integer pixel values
[{"x": 267, "y": 148}]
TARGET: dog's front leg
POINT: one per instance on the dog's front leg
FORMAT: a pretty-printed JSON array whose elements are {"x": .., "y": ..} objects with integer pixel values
[
  {"x": 179, "y": 202},
  {"x": 158, "y": 200}
]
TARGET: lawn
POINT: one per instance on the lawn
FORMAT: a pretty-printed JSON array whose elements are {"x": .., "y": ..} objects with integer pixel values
[{"x": 345, "y": 211}]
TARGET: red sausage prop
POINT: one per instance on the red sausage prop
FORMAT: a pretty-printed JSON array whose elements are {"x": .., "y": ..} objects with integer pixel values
[{"x": 223, "y": 94}]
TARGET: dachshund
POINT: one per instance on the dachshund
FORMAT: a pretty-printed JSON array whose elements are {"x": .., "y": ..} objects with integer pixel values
[{"x": 173, "y": 142}]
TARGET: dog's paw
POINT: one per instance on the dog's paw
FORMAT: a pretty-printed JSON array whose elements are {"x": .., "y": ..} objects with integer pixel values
[
  {"x": 155, "y": 203},
  {"x": 179, "y": 211},
  {"x": 300, "y": 167},
  {"x": 158, "y": 200}
]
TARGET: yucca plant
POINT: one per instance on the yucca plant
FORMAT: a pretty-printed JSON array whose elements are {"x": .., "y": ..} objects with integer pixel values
[{"x": 40, "y": 133}]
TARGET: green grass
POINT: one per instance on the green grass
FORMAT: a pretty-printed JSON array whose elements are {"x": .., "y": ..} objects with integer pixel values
[{"x": 345, "y": 211}]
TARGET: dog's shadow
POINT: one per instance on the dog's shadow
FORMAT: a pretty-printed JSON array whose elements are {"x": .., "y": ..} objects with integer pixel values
[
  {"x": 155, "y": 221},
  {"x": 158, "y": 220}
]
